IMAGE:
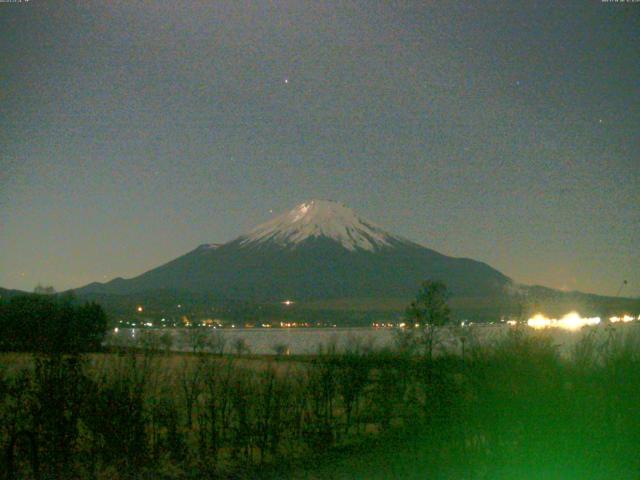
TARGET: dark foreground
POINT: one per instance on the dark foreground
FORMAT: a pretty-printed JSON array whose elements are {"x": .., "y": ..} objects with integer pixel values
[{"x": 512, "y": 410}]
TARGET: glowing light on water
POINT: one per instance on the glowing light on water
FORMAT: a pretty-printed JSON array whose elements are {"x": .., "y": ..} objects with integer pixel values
[
  {"x": 539, "y": 321},
  {"x": 571, "y": 321},
  {"x": 624, "y": 319}
]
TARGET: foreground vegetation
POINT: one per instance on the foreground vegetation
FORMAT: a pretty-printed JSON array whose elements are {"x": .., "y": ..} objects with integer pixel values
[
  {"x": 515, "y": 409},
  {"x": 50, "y": 324}
]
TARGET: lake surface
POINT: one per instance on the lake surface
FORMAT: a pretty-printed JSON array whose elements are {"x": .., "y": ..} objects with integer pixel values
[{"x": 299, "y": 341}]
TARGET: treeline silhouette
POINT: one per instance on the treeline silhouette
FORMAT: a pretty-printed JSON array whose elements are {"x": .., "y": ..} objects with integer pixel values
[
  {"x": 512, "y": 409},
  {"x": 50, "y": 323}
]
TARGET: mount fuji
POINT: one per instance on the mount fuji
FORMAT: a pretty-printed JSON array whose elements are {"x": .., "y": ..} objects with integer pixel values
[{"x": 321, "y": 250}]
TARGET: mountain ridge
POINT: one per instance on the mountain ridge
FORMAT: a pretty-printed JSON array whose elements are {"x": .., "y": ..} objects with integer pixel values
[
  {"x": 320, "y": 253},
  {"x": 318, "y": 250}
]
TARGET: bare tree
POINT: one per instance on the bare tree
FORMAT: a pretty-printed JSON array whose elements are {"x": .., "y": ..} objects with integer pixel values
[
  {"x": 281, "y": 349},
  {"x": 217, "y": 342},
  {"x": 240, "y": 346},
  {"x": 44, "y": 290},
  {"x": 197, "y": 338},
  {"x": 427, "y": 313},
  {"x": 166, "y": 340},
  {"x": 190, "y": 378}
]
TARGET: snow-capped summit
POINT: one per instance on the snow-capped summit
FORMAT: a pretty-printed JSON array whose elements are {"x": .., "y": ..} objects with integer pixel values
[{"x": 321, "y": 218}]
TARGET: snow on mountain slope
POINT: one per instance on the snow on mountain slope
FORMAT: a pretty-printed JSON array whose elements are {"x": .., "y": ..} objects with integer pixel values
[
  {"x": 320, "y": 250},
  {"x": 321, "y": 218}
]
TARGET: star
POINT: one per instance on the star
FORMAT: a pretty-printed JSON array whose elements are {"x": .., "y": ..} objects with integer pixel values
[{"x": 286, "y": 80}]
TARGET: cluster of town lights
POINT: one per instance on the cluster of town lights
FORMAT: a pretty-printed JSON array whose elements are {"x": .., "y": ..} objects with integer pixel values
[{"x": 571, "y": 321}]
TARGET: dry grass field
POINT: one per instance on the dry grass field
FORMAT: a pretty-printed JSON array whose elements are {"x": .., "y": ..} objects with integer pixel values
[{"x": 515, "y": 409}]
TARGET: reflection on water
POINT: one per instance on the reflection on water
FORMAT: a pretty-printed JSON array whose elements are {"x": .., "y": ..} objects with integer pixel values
[
  {"x": 571, "y": 321},
  {"x": 310, "y": 340}
]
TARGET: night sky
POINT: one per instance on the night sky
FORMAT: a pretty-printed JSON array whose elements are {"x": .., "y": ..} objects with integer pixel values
[{"x": 131, "y": 132}]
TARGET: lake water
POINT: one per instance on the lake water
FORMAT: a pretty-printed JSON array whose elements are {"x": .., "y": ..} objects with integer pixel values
[{"x": 263, "y": 341}]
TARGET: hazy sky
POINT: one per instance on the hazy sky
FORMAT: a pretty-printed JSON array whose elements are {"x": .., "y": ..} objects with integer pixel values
[{"x": 131, "y": 132}]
